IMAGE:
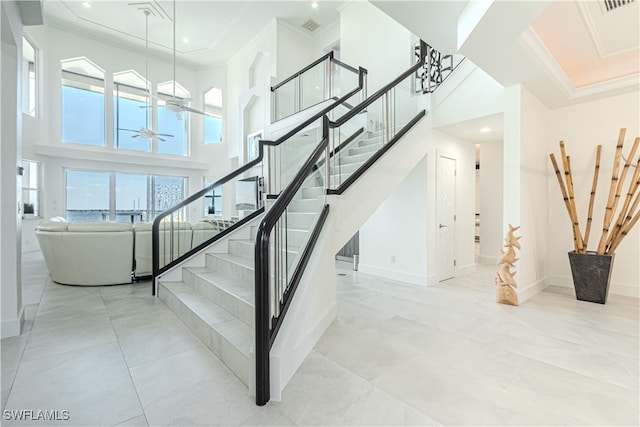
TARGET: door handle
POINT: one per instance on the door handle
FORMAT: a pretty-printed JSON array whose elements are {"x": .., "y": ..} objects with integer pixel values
[{"x": 442, "y": 226}]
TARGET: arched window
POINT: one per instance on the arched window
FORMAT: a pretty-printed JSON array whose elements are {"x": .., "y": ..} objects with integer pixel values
[
  {"x": 171, "y": 121},
  {"x": 213, "y": 117},
  {"x": 131, "y": 111},
  {"x": 82, "y": 102}
]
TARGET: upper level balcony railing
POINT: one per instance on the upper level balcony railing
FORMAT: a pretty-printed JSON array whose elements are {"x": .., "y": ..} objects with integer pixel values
[{"x": 325, "y": 78}]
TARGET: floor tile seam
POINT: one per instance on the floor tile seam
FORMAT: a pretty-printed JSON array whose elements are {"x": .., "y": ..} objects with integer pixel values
[
  {"x": 575, "y": 372},
  {"x": 598, "y": 350},
  {"x": 126, "y": 363},
  {"x": 26, "y": 342}
]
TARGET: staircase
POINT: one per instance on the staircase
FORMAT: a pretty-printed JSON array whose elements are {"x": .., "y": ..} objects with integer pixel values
[
  {"x": 235, "y": 290},
  {"x": 216, "y": 301}
]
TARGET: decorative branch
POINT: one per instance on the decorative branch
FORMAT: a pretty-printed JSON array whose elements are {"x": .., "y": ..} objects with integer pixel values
[
  {"x": 592, "y": 197},
  {"x": 629, "y": 215},
  {"x": 612, "y": 194}
]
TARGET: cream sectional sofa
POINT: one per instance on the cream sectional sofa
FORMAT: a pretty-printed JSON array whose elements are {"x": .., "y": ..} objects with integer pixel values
[
  {"x": 109, "y": 253},
  {"x": 87, "y": 253}
]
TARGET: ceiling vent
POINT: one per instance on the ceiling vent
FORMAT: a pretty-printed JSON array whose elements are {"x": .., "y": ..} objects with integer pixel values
[
  {"x": 310, "y": 25},
  {"x": 610, "y": 5}
]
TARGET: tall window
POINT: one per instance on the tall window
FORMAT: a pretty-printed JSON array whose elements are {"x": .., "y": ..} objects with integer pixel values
[
  {"x": 171, "y": 122},
  {"x": 87, "y": 196},
  {"x": 31, "y": 188},
  {"x": 121, "y": 197},
  {"x": 82, "y": 102},
  {"x": 213, "y": 118},
  {"x": 131, "y": 111},
  {"x": 29, "y": 86}
]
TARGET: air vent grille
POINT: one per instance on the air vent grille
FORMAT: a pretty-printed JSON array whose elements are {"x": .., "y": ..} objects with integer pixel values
[
  {"x": 310, "y": 25},
  {"x": 610, "y": 5}
]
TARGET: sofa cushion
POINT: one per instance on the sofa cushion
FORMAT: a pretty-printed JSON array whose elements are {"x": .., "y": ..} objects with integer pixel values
[
  {"x": 99, "y": 226},
  {"x": 51, "y": 225}
]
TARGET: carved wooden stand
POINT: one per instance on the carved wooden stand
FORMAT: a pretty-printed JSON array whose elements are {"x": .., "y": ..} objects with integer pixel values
[{"x": 505, "y": 292}]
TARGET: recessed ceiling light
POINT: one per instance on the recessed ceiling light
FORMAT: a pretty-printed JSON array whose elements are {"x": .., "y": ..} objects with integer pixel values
[
  {"x": 314, "y": 4},
  {"x": 86, "y": 4},
  {"x": 185, "y": 39},
  {"x": 485, "y": 129}
]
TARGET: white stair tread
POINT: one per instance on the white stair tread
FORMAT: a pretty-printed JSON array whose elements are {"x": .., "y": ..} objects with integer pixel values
[
  {"x": 228, "y": 284},
  {"x": 228, "y": 326},
  {"x": 242, "y": 261}
]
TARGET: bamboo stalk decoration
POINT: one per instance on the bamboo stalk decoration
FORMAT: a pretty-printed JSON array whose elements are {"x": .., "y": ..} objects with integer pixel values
[
  {"x": 629, "y": 215},
  {"x": 608, "y": 215},
  {"x": 505, "y": 293},
  {"x": 592, "y": 197}
]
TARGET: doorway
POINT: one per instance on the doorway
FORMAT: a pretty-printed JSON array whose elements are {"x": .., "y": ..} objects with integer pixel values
[{"x": 446, "y": 215}]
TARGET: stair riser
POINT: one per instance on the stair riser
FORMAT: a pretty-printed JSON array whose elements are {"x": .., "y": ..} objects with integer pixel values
[
  {"x": 232, "y": 269},
  {"x": 235, "y": 360},
  {"x": 305, "y": 205},
  {"x": 242, "y": 248},
  {"x": 350, "y": 168},
  {"x": 301, "y": 221},
  {"x": 369, "y": 149},
  {"x": 347, "y": 160},
  {"x": 231, "y": 303}
]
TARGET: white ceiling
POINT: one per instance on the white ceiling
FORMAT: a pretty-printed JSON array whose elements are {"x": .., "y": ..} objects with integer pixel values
[
  {"x": 563, "y": 51},
  {"x": 215, "y": 30}
]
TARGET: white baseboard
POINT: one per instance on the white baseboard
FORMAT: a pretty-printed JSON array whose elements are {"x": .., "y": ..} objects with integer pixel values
[
  {"x": 432, "y": 280},
  {"x": 465, "y": 269},
  {"x": 531, "y": 290},
  {"x": 616, "y": 288},
  {"x": 492, "y": 260},
  {"x": 400, "y": 276},
  {"x": 13, "y": 327}
]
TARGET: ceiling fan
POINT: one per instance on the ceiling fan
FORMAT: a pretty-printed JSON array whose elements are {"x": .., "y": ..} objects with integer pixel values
[
  {"x": 146, "y": 132},
  {"x": 177, "y": 105}
]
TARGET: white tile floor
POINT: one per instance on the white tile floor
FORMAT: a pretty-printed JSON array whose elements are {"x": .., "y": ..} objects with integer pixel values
[{"x": 395, "y": 355}]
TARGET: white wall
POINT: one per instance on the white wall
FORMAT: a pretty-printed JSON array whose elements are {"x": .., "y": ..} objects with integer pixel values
[
  {"x": 532, "y": 267},
  {"x": 475, "y": 94},
  {"x": 244, "y": 88},
  {"x": 405, "y": 223},
  {"x": 583, "y": 127},
  {"x": 393, "y": 241},
  {"x": 371, "y": 39},
  {"x": 490, "y": 200},
  {"x": 10, "y": 182}
]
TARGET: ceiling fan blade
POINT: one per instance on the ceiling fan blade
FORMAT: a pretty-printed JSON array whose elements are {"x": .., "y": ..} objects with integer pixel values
[
  {"x": 129, "y": 130},
  {"x": 144, "y": 106},
  {"x": 157, "y": 137},
  {"x": 193, "y": 110},
  {"x": 135, "y": 136},
  {"x": 164, "y": 134}
]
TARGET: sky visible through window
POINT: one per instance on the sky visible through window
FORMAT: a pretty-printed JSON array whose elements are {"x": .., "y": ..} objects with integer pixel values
[{"x": 82, "y": 116}]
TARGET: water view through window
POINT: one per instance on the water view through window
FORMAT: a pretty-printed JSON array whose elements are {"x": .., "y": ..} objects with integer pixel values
[{"x": 132, "y": 198}]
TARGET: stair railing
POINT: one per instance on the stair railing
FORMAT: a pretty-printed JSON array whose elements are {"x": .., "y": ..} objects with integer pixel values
[
  {"x": 321, "y": 80},
  {"x": 173, "y": 239},
  {"x": 276, "y": 276},
  {"x": 387, "y": 114},
  {"x": 385, "y": 117}
]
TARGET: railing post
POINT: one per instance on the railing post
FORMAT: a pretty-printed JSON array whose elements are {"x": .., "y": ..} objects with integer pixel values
[{"x": 262, "y": 316}]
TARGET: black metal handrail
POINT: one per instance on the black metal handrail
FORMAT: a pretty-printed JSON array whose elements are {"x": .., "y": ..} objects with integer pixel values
[
  {"x": 305, "y": 69},
  {"x": 371, "y": 99},
  {"x": 265, "y": 334}
]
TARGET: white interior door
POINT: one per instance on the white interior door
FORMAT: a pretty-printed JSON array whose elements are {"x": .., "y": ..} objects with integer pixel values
[{"x": 446, "y": 196}]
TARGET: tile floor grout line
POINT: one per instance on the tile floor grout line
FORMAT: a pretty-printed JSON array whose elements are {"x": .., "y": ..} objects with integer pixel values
[{"x": 124, "y": 359}]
